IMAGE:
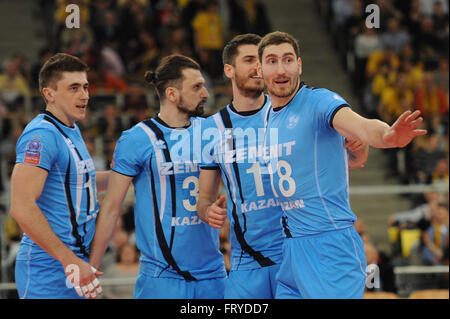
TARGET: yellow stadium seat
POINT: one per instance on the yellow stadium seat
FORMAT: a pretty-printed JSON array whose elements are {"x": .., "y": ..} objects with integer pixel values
[
  {"x": 408, "y": 238},
  {"x": 430, "y": 294}
]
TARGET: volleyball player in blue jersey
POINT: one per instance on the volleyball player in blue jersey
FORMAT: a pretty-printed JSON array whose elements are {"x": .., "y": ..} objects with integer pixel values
[
  {"x": 180, "y": 256},
  {"x": 323, "y": 256},
  {"x": 253, "y": 210},
  {"x": 53, "y": 190}
]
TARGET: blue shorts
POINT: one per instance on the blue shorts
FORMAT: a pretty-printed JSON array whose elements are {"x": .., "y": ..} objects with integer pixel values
[
  {"x": 148, "y": 287},
  {"x": 42, "y": 279},
  {"x": 257, "y": 283},
  {"x": 330, "y": 265}
]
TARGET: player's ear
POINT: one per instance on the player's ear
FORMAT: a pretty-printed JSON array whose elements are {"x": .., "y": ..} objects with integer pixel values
[
  {"x": 49, "y": 94},
  {"x": 172, "y": 94},
  {"x": 258, "y": 68},
  {"x": 228, "y": 69},
  {"x": 299, "y": 66}
]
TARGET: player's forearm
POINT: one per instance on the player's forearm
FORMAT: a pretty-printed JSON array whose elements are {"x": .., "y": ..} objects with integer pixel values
[
  {"x": 104, "y": 230},
  {"x": 33, "y": 222},
  {"x": 373, "y": 132}
]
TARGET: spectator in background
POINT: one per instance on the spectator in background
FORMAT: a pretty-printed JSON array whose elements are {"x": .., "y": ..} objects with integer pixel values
[
  {"x": 209, "y": 38},
  {"x": 426, "y": 157},
  {"x": 430, "y": 99},
  {"x": 135, "y": 99},
  {"x": 109, "y": 30},
  {"x": 387, "y": 11},
  {"x": 394, "y": 37},
  {"x": 395, "y": 99},
  {"x": 427, "y": 6},
  {"x": 426, "y": 36},
  {"x": 414, "y": 17},
  {"x": 256, "y": 20},
  {"x": 441, "y": 75},
  {"x": 365, "y": 43},
  {"x": 149, "y": 56},
  {"x": 418, "y": 216},
  {"x": 127, "y": 266},
  {"x": 110, "y": 124},
  {"x": 440, "y": 173},
  {"x": 440, "y": 20},
  {"x": 435, "y": 238},
  {"x": 102, "y": 81},
  {"x": 176, "y": 43},
  {"x": 111, "y": 60},
  {"x": 13, "y": 85}
]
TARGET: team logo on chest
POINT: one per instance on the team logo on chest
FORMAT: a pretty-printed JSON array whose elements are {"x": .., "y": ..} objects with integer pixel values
[{"x": 292, "y": 122}]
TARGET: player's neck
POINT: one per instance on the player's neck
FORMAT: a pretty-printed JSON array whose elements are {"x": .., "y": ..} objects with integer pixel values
[
  {"x": 59, "y": 115},
  {"x": 173, "y": 118},
  {"x": 244, "y": 103}
]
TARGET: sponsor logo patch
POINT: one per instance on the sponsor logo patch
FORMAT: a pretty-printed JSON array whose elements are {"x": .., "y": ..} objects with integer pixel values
[{"x": 33, "y": 152}]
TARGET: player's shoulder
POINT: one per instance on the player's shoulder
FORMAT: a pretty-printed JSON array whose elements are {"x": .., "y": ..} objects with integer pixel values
[{"x": 40, "y": 127}]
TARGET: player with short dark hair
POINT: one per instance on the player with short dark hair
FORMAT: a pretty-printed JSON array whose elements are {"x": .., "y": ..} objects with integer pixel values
[
  {"x": 323, "y": 255},
  {"x": 180, "y": 257},
  {"x": 53, "y": 189}
]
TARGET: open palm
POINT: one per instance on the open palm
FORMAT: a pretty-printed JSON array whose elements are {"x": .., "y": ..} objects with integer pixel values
[{"x": 404, "y": 130}]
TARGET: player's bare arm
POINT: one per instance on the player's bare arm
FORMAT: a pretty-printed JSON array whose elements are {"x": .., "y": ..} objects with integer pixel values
[
  {"x": 118, "y": 185},
  {"x": 27, "y": 183},
  {"x": 211, "y": 209},
  {"x": 377, "y": 133}
]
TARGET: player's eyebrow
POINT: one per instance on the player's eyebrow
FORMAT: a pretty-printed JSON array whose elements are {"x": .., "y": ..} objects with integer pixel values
[
  {"x": 284, "y": 55},
  {"x": 74, "y": 84}
]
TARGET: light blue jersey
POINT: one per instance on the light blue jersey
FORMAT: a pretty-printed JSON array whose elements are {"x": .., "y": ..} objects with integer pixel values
[
  {"x": 309, "y": 163},
  {"x": 173, "y": 241},
  {"x": 323, "y": 255},
  {"x": 68, "y": 199},
  {"x": 68, "y": 202},
  {"x": 232, "y": 143}
]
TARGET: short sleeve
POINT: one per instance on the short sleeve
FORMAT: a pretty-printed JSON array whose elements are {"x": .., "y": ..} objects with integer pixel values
[
  {"x": 128, "y": 157},
  {"x": 37, "y": 147},
  {"x": 328, "y": 104}
]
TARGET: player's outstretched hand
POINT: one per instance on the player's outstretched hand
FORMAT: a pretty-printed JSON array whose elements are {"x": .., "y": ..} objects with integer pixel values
[
  {"x": 84, "y": 279},
  {"x": 217, "y": 213},
  {"x": 402, "y": 132}
]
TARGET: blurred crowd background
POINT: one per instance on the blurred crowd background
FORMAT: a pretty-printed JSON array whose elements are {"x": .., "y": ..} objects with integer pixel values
[{"x": 402, "y": 65}]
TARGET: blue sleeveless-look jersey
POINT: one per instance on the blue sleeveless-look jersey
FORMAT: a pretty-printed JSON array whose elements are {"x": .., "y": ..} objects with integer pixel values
[
  {"x": 233, "y": 142},
  {"x": 173, "y": 241}
]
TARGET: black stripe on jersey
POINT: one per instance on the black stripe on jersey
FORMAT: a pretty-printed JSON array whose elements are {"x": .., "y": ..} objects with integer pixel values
[
  {"x": 335, "y": 111},
  {"x": 160, "y": 234},
  {"x": 260, "y": 258},
  {"x": 73, "y": 216},
  {"x": 160, "y": 135},
  {"x": 287, "y": 232},
  {"x": 227, "y": 123},
  {"x": 210, "y": 168}
]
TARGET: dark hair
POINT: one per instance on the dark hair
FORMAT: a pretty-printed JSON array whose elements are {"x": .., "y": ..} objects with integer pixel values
[
  {"x": 231, "y": 49},
  {"x": 276, "y": 38},
  {"x": 53, "y": 68},
  {"x": 169, "y": 72}
]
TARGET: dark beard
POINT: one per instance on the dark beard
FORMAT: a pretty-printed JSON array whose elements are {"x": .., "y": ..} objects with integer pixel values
[
  {"x": 252, "y": 92},
  {"x": 198, "y": 109}
]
